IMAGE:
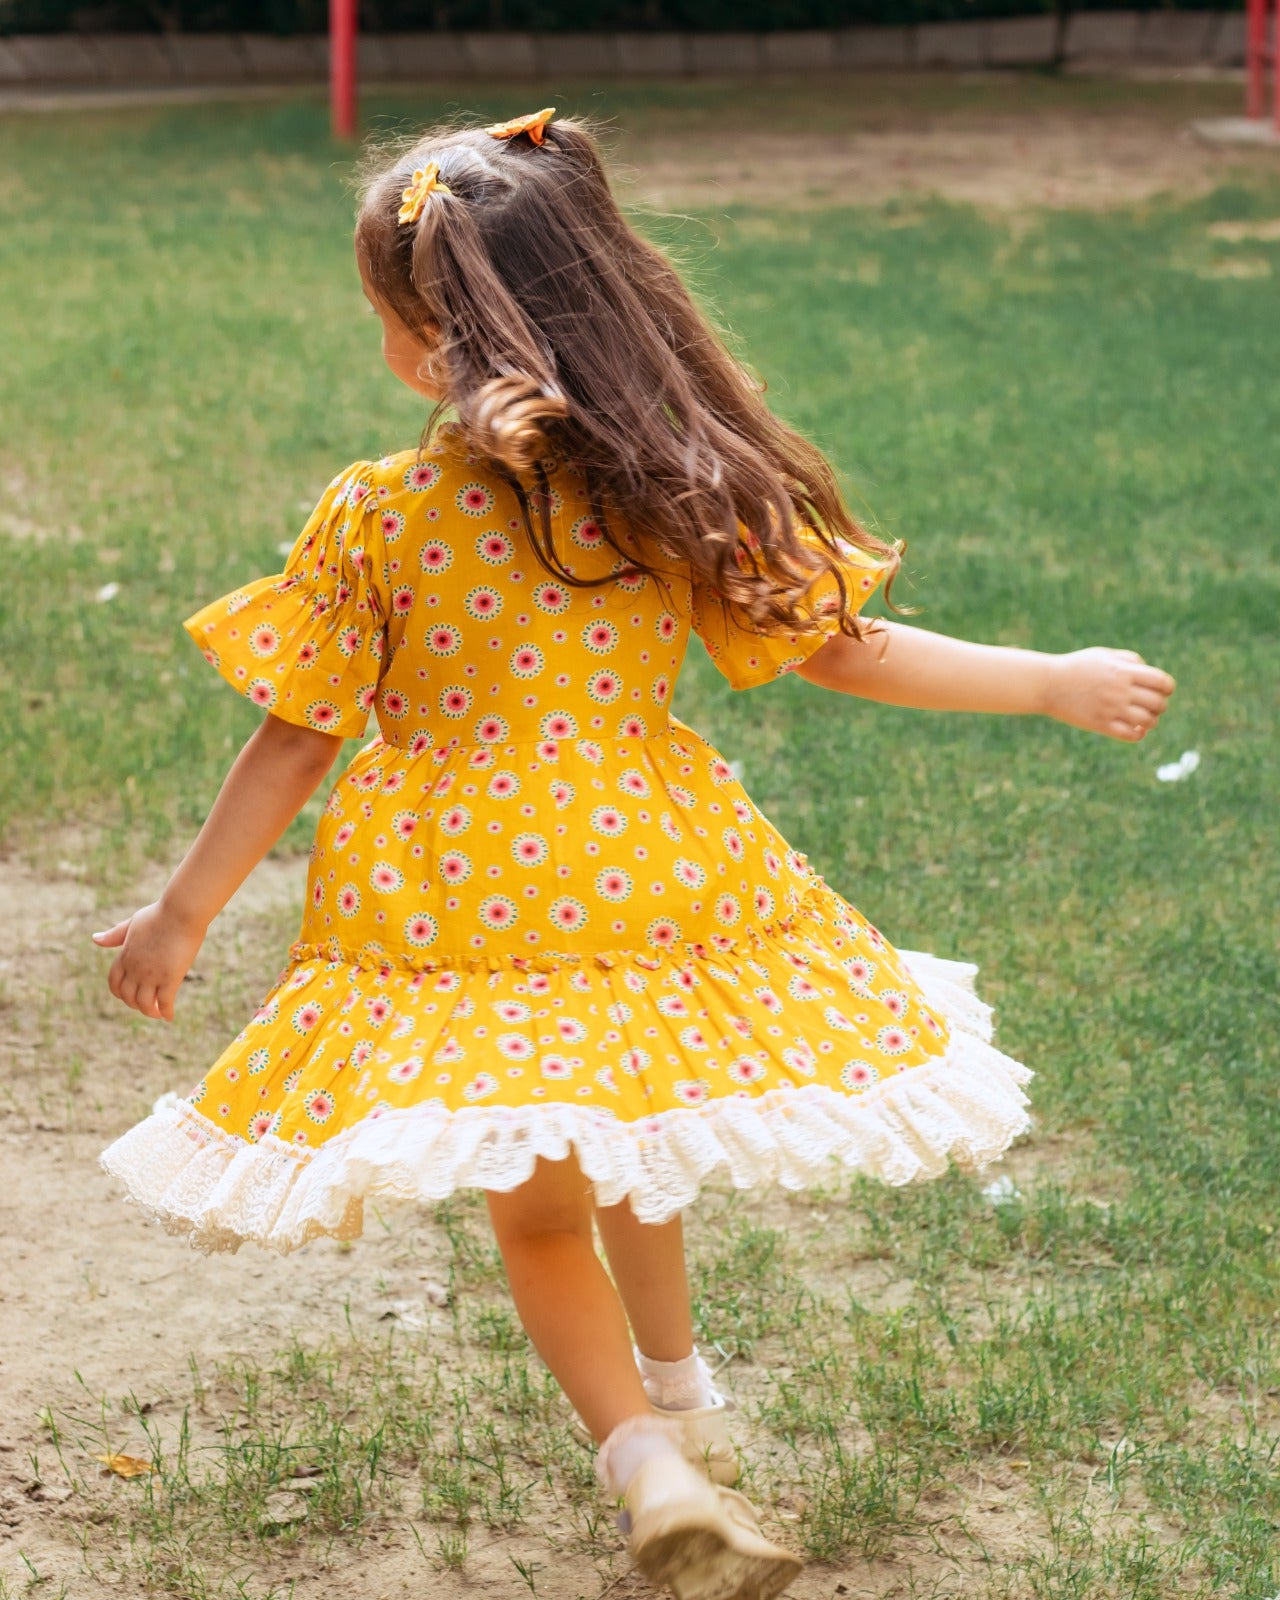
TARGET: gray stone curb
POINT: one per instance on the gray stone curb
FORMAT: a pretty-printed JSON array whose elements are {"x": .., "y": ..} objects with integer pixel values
[{"x": 1102, "y": 38}]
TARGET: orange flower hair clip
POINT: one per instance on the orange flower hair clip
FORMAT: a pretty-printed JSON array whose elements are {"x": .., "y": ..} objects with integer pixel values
[
  {"x": 535, "y": 125},
  {"x": 426, "y": 180}
]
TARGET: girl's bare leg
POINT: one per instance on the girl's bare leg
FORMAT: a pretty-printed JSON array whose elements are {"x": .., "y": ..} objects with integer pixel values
[
  {"x": 647, "y": 1262},
  {"x": 564, "y": 1298}
]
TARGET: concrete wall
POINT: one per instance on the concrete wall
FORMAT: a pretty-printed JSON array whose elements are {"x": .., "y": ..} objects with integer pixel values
[{"x": 1101, "y": 38}]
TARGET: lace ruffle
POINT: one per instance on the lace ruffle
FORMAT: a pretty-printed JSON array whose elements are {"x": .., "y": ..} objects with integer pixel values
[{"x": 965, "y": 1107}]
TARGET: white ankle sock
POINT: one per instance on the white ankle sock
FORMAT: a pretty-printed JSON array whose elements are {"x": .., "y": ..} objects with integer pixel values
[
  {"x": 631, "y": 1444},
  {"x": 676, "y": 1385}
]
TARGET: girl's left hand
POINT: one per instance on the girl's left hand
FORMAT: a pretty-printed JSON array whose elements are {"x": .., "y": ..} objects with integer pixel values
[
  {"x": 1112, "y": 692},
  {"x": 158, "y": 949}
]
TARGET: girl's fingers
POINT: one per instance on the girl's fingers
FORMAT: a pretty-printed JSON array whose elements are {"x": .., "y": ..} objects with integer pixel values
[
  {"x": 1153, "y": 678},
  {"x": 144, "y": 999},
  {"x": 150, "y": 999},
  {"x": 1150, "y": 699}
]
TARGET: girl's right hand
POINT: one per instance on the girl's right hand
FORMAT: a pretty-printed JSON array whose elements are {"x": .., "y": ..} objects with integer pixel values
[
  {"x": 157, "y": 948},
  {"x": 1113, "y": 692}
]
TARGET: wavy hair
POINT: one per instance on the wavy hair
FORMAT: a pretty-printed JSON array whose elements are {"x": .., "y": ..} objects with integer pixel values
[{"x": 557, "y": 331}]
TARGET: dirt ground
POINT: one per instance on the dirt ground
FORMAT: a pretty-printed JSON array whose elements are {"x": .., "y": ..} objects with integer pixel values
[
  {"x": 94, "y": 1300},
  {"x": 1054, "y": 161},
  {"x": 990, "y": 140}
]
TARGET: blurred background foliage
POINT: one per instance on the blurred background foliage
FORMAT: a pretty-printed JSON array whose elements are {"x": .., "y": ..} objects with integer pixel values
[{"x": 382, "y": 16}]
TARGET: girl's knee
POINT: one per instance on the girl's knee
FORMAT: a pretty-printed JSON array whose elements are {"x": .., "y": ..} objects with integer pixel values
[{"x": 556, "y": 1198}]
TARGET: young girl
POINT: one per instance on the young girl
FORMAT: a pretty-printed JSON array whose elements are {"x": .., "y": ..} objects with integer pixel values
[{"x": 551, "y": 948}]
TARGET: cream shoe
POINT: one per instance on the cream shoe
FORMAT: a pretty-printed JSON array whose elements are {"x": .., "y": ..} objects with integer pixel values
[
  {"x": 706, "y": 1438},
  {"x": 701, "y": 1541},
  {"x": 706, "y": 1442}
]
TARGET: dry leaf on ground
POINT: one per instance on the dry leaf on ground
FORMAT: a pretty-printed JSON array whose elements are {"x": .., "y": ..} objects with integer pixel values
[{"x": 125, "y": 1466}]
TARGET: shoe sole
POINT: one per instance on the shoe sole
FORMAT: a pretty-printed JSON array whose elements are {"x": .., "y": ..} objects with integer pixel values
[{"x": 697, "y": 1563}]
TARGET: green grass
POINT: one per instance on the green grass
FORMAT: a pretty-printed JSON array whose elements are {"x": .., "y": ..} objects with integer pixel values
[{"x": 1071, "y": 419}]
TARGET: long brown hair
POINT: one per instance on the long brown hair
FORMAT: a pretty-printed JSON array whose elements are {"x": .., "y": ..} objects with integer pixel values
[{"x": 557, "y": 331}]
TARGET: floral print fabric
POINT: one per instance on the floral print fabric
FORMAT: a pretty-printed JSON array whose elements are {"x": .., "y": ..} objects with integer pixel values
[
  {"x": 534, "y": 885},
  {"x": 307, "y": 644}
]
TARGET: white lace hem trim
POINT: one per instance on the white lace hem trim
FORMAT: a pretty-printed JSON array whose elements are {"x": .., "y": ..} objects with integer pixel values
[{"x": 219, "y": 1190}]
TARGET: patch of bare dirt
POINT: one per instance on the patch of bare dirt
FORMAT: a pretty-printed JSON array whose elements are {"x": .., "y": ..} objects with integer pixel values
[{"x": 1003, "y": 163}]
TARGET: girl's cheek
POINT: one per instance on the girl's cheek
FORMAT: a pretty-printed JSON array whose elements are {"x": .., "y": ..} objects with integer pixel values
[{"x": 403, "y": 369}]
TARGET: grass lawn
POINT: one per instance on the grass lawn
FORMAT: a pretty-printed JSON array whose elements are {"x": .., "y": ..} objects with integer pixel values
[{"x": 1071, "y": 419}]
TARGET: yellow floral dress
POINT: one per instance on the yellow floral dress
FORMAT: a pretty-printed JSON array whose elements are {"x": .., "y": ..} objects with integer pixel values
[{"x": 541, "y": 912}]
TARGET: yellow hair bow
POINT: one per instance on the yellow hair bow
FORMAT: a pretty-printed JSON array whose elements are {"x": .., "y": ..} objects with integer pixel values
[
  {"x": 426, "y": 180},
  {"x": 535, "y": 125}
]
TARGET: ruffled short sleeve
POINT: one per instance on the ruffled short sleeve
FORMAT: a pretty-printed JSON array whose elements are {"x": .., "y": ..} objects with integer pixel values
[
  {"x": 308, "y": 644},
  {"x": 746, "y": 659}
]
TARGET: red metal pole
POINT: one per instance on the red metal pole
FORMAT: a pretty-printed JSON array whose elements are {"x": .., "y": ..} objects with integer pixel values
[
  {"x": 342, "y": 66},
  {"x": 1255, "y": 58},
  {"x": 1274, "y": 58}
]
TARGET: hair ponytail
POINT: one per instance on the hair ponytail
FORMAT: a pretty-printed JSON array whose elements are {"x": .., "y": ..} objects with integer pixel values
[{"x": 502, "y": 376}]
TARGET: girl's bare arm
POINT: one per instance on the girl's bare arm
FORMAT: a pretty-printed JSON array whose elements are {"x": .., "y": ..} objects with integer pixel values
[
  {"x": 1112, "y": 692},
  {"x": 272, "y": 778}
]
